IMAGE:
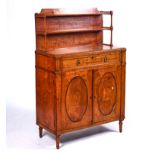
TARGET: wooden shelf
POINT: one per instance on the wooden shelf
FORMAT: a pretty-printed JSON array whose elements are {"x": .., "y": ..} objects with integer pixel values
[
  {"x": 80, "y": 14},
  {"x": 63, "y": 12},
  {"x": 74, "y": 30},
  {"x": 63, "y": 15}
]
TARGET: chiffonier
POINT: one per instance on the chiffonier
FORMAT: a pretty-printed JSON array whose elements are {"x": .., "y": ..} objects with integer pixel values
[{"x": 80, "y": 80}]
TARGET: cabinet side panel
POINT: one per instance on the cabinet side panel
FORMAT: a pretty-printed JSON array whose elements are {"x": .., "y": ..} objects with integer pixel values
[
  {"x": 46, "y": 63},
  {"x": 40, "y": 42},
  {"x": 45, "y": 98},
  {"x": 39, "y": 24}
]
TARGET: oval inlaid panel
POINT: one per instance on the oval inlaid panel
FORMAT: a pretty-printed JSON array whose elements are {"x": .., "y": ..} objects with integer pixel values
[
  {"x": 76, "y": 99},
  {"x": 106, "y": 94}
]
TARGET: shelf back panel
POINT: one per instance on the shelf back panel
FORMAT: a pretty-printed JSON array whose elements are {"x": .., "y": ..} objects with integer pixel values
[
  {"x": 68, "y": 40},
  {"x": 50, "y": 24}
]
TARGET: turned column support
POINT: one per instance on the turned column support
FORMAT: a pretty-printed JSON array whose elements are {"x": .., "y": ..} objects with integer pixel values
[
  {"x": 120, "y": 126},
  {"x": 123, "y": 75},
  {"x": 58, "y": 83},
  {"x": 57, "y": 141}
]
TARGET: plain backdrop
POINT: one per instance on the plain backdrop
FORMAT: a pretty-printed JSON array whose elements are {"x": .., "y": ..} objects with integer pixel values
[{"x": 134, "y": 28}]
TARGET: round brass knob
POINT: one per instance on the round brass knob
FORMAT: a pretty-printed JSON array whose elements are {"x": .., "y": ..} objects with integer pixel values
[
  {"x": 105, "y": 59},
  {"x": 78, "y": 62}
]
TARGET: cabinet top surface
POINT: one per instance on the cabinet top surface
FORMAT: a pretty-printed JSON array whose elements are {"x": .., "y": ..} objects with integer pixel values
[{"x": 79, "y": 50}]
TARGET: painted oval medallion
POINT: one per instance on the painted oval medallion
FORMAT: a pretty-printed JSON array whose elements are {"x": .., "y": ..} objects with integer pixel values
[
  {"x": 106, "y": 94},
  {"x": 76, "y": 99}
]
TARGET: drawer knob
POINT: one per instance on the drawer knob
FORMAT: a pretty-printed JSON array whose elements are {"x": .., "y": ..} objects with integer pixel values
[
  {"x": 78, "y": 62},
  {"x": 105, "y": 59}
]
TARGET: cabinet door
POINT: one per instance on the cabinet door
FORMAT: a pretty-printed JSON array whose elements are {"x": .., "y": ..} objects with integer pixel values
[
  {"x": 76, "y": 99},
  {"x": 106, "y": 101}
]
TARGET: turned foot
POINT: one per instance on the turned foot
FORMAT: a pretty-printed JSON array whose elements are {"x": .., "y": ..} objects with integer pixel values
[
  {"x": 40, "y": 132},
  {"x": 120, "y": 126},
  {"x": 57, "y": 141}
]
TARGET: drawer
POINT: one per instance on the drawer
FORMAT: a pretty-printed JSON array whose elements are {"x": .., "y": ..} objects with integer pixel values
[
  {"x": 77, "y": 62},
  {"x": 98, "y": 59},
  {"x": 110, "y": 58}
]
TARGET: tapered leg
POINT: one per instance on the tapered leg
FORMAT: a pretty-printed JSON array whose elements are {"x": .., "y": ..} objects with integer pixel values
[
  {"x": 40, "y": 132},
  {"x": 57, "y": 141},
  {"x": 120, "y": 125}
]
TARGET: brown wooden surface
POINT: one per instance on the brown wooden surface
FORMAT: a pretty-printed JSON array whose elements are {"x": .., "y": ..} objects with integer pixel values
[
  {"x": 67, "y": 23},
  {"x": 106, "y": 94},
  {"x": 45, "y": 98},
  {"x": 61, "y": 31},
  {"x": 68, "y": 12},
  {"x": 79, "y": 50},
  {"x": 79, "y": 81},
  {"x": 50, "y": 42},
  {"x": 76, "y": 99},
  {"x": 123, "y": 78}
]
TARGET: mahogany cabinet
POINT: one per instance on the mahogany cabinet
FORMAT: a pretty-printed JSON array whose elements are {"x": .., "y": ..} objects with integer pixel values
[{"x": 80, "y": 81}]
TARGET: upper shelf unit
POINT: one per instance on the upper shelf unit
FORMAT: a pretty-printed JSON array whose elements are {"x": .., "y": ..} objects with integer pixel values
[{"x": 58, "y": 28}]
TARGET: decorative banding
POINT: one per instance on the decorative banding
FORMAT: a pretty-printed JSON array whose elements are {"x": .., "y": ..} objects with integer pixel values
[
  {"x": 107, "y": 93},
  {"x": 76, "y": 99}
]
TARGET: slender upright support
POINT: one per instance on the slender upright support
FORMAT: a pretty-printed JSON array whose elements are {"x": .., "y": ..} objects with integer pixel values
[
  {"x": 120, "y": 125},
  {"x": 123, "y": 73},
  {"x": 109, "y": 28},
  {"x": 57, "y": 141},
  {"x": 111, "y": 43},
  {"x": 58, "y": 103},
  {"x": 40, "y": 132}
]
